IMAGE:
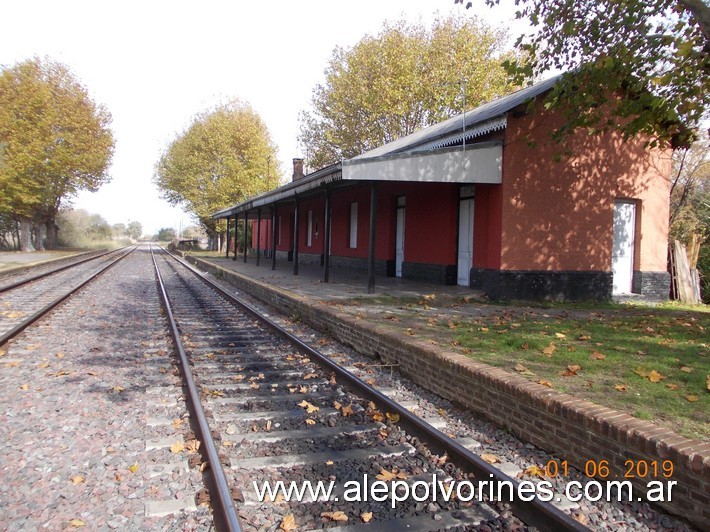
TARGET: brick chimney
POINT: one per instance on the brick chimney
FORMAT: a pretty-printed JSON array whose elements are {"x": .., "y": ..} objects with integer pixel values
[{"x": 297, "y": 169}]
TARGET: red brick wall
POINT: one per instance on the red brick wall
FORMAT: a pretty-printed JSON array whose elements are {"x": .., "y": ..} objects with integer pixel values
[{"x": 558, "y": 215}]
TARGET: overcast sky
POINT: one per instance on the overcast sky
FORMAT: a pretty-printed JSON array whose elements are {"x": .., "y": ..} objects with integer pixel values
[{"x": 154, "y": 64}]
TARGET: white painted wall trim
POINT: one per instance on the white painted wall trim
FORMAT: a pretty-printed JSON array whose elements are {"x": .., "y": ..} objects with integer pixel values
[{"x": 478, "y": 164}]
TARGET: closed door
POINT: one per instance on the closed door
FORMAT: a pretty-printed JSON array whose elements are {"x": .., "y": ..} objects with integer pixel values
[
  {"x": 623, "y": 247},
  {"x": 399, "y": 238},
  {"x": 465, "y": 254}
]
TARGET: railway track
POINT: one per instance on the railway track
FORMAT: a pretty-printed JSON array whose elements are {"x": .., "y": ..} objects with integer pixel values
[
  {"x": 268, "y": 408},
  {"x": 26, "y": 299}
]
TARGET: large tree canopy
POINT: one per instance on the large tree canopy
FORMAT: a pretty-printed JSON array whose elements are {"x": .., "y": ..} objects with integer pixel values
[
  {"x": 633, "y": 65},
  {"x": 224, "y": 156},
  {"x": 56, "y": 140},
  {"x": 403, "y": 79}
]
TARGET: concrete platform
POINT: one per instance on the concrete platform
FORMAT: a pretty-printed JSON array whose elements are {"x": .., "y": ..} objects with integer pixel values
[{"x": 343, "y": 283}]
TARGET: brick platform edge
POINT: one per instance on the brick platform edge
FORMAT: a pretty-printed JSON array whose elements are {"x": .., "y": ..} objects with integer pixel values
[{"x": 575, "y": 430}]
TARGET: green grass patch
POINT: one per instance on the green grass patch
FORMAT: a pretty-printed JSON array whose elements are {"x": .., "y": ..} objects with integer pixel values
[{"x": 649, "y": 362}]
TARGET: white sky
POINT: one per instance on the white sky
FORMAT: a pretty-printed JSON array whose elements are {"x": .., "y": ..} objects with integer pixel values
[{"x": 154, "y": 64}]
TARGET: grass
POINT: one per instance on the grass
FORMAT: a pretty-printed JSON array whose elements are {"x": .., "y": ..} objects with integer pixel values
[{"x": 652, "y": 362}]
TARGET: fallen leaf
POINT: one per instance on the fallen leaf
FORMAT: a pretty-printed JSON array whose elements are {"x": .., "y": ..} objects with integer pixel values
[
  {"x": 118, "y": 389},
  {"x": 77, "y": 523},
  {"x": 25, "y": 387},
  {"x": 310, "y": 421},
  {"x": 596, "y": 355},
  {"x": 545, "y": 383},
  {"x": 707, "y": 383},
  {"x": 203, "y": 497},
  {"x": 288, "y": 523},
  {"x": 303, "y": 389},
  {"x": 641, "y": 373},
  {"x": 77, "y": 479},
  {"x": 584, "y": 337},
  {"x": 581, "y": 519},
  {"x": 177, "y": 422},
  {"x": 571, "y": 370},
  {"x": 549, "y": 350},
  {"x": 366, "y": 517},
  {"x": 337, "y": 405},
  {"x": 620, "y": 387},
  {"x": 254, "y": 386},
  {"x": 654, "y": 376},
  {"x": 490, "y": 458},
  {"x": 534, "y": 471},
  {"x": 392, "y": 418},
  {"x": 347, "y": 410},
  {"x": 177, "y": 447},
  {"x": 335, "y": 516},
  {"x": 391, "y": 475},
  {"x": 133, "y": 468},
  {"x": 59, "y": 355},
  {"x": 520, "y": 368},
  {"x": 686, "y": 369},
  {"x": 452, "y": 325},
  {"x": 672, "y": 386},
  {"x": 310, "y": 408},
  {"x": 691, "y": 398},
  {"x": 560, "y": 335},
  {"x": 329, "y": 462},
  {"x": 308, "y": 376}
]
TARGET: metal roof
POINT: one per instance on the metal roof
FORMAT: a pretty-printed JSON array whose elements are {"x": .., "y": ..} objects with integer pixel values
[
  {"x": 488, "y": 117},
  {"x": 326, "y": 175},
  {"x": 479, "y": 121}
]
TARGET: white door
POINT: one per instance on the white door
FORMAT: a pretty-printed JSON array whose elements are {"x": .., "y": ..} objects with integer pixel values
[
  {"x": 623, "y": 247},
  {"x": 399, "y": 237},
  {"x": 465, "y": 257}
]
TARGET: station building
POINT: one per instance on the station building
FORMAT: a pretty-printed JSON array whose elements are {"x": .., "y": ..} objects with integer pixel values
[{"x": 487, "y": 200}]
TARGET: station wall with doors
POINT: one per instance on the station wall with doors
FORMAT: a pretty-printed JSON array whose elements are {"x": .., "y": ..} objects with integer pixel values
[{"x": 496, "y": 205}]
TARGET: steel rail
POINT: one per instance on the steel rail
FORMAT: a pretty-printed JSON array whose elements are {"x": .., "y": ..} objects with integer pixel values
[
  {"x": 17, "y": 329},
  {"x": 10, "y": 286},
  {"x": 536, "y": 512},
  {"x": 227, "y": 516}
]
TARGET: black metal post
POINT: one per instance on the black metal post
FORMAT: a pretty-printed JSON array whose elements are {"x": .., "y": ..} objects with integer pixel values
[
  {"x": 326, "y": 238},
  {"x": 371, "y": 254},
  {"x": 273, "y": 237},
  {"x": 295, "y": 239},
  {"x": 227, "y": 246},
  {"x": 246, "y": 222},
  {"x": 258, "y": 235},
  {"x": 236, "y": 220}
]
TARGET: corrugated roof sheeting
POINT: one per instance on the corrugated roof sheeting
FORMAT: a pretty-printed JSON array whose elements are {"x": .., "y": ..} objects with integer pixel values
[{"x": 439, "y": 134}]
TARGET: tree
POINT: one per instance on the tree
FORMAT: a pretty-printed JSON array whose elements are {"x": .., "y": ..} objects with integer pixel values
[
  {"x": 166, "y": 234},
  {"x": 637, "y": 66},
  {"x": 134, "y": 230},
  {"x": 79, "y": 228},
  {"x": 223, "y": 157},
  {"x": 405, "y": 78},
  {"x": 119, "y": 230},
  {"x": 57, "y": 142}
]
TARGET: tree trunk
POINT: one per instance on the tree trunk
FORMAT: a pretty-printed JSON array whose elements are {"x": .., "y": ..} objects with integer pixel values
[
  {"x": 51, "y": 232},
  {"x": 40, "y": 236},
  {"x": 26, "y": 234}
]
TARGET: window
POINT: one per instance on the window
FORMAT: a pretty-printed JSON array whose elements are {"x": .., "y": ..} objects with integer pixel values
[
  {"x": 353, "y": 225},
  {"x": 309, "y": 231}
]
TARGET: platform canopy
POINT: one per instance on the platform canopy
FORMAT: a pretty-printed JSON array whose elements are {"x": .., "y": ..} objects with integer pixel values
[{"x": 446, "y": 152}]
